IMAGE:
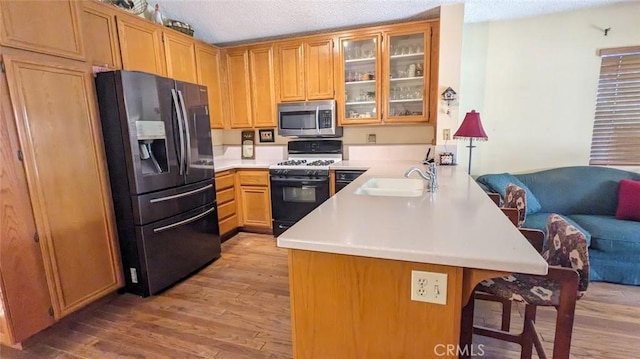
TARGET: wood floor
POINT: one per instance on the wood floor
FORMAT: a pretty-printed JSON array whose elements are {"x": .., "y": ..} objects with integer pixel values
[{"x": 238, "y": 307}]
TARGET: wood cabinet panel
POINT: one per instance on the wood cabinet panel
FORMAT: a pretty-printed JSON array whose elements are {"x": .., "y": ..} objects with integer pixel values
[
  {"x": 263, "y": 99},
  {"x": 226, "y": 210},
  {"x": 256, "y": 206},
  {"x": 290, "y": 71},
  {"x": 66, "y": 172},
  {"x": 24, "y": 297},
  {"x": 225, "y": 195},
  {"x": 224, "y": 181},
  {"x": 318, "y": 56},
  {"x": 180, "y": 54},
  {"x": 239, "y": 88},
  {"x": 253, "y": 178},
  {"x": 141, "y": 45},
  {"x": 100, "y": 35},
  {"x": 208, "y": 66},
  {"x": 52, "y": 28},
  {"x": 229, "y": 224}
]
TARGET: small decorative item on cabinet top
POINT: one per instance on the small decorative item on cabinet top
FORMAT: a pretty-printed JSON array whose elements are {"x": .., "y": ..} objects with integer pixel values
[
  {"x": 248, "y": 145},
  {"x": 183, "y": 27},
  {"x": 136, "y": 7}
]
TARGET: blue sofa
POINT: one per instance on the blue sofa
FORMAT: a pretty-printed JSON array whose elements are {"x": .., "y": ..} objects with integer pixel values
[{"x": 588, "y": 197}]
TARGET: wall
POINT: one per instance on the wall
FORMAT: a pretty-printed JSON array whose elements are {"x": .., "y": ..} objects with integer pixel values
[{"x": 534, "y": 82}]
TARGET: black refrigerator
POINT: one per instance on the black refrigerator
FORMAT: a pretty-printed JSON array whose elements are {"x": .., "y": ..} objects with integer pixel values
[{"x": 157, "y": 139}]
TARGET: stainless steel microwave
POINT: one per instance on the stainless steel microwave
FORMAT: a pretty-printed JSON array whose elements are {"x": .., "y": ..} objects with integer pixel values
[{"x": 308, "y": 119}]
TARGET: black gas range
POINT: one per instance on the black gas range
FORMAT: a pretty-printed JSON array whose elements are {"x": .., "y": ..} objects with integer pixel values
[{"x": 301, "y": 183}]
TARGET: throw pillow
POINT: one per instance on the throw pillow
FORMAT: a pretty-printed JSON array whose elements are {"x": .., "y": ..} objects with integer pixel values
[
  {"x": 629, "y": 200},
  {"x": 498, "y": 183}
]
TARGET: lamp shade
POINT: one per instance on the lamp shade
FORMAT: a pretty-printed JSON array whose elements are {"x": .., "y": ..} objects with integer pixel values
[{"x": 471, "y": 127}]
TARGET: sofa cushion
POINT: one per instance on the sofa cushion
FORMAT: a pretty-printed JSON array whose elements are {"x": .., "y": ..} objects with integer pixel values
[
  {"x": 539, "y": 221},
  {"x": 629, "y": 201},
  {"x": 577, "y": 190},
  {"x": 609, "y": 234},
  {"x": 619, "y": 268},
  {"x": 498, "y": 183}
]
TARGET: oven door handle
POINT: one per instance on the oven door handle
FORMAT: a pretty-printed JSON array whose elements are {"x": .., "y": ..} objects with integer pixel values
[
  {"x": 298, "y": 180},
  {"x": 318, "y": 119}
]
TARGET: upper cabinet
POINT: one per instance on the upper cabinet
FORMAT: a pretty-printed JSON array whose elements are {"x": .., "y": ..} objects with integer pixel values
[
  {"x": 251, "y": 86},
  {"x": 385, "y": 77},
  {"x": 53, "y": 28},
  {"x": 180, "y": 53},
  {"x": 208, "y": 66},
  {"x": 100, "y": 35},
  {"x": 140, "y": 45},
  {"x": 305, "y": 69}
]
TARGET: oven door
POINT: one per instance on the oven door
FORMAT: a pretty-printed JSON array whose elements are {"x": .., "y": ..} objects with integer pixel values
[{"x": 294, "y": 197}]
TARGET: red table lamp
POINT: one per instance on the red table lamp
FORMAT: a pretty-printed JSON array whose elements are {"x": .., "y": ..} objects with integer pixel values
[{"x": 471, "y": 128}]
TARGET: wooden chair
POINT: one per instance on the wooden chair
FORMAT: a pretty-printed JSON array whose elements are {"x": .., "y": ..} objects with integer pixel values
[
  {"x": 515, "y": 208},
  {"x": 565, "y": 283}
]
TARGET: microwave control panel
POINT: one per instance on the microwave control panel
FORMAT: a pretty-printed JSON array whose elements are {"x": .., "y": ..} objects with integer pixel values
[{"x": 325, "y": 118}]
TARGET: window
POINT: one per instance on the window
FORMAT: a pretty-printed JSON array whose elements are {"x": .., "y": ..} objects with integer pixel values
[{"x": 616, "y": 128}]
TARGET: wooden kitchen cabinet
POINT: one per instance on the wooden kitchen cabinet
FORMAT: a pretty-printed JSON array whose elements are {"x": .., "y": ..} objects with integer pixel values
[
  {"x": 251, "y": 86},
  {"x": 263, "y": 97},
  {"x": 24, "y": 294},
  {"x": 305, "y": 69},
  {"x": 100, "y": 35},
  {"x": 208, "y": 66},
  {"x": 64, "y": 162},
  {"x": 140, "y": 45},
  {"x": 53, "y": 28},
  {"x": 387, "y": 75},
  {"x": 180, "y": 54},
  {"x": 239, "y": 87},
  {"x": 254, "y": 200},
  {"x": 226, "y": 200}
]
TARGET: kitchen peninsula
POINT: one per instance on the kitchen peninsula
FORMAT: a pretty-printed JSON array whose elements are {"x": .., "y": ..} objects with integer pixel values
[{"x": 351, "y": 263}]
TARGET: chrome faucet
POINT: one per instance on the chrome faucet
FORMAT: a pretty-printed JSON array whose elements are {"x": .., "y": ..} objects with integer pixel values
[{"x": 431, "y": 175}]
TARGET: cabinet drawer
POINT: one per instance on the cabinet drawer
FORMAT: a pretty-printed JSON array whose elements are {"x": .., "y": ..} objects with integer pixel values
[
  {"x": 226, "y": 210},
  {"x": 229, "y": 224},
  {"x": 224, "y": 181},
  {"x": 225, "y": 195},
  {"x": 253, "y": 178}
]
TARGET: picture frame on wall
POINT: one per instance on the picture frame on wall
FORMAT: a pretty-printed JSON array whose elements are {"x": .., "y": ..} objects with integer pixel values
[
  {"x": 266, "y": 135},
  {"x": 248, "y": 145}
]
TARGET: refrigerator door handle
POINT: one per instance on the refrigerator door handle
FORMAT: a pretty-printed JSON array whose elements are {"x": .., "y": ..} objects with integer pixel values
[
  {"x": 187, "y": 132},
  {"x": 180, "y": 132},
  {"x": 183, "y": 222},
  {"x": 183, "y": 194}
]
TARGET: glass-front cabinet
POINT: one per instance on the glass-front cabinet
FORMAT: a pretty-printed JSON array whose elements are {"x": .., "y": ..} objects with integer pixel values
[
  {"x": 385, "y": 77},
  {"x": 360, "y": 87},
  {"x": 404, "y": 84}
]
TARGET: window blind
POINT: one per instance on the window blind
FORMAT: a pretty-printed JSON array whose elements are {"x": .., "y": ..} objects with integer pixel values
[{"x": 616, "y": 127}]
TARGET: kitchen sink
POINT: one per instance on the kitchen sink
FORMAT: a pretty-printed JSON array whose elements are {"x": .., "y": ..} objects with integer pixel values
[{"x": 392, "y": 187}]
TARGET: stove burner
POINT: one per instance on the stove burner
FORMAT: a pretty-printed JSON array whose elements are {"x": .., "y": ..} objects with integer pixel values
[
  {"x": 293, "y": 163},
  {"x": 320, "y": 163}
]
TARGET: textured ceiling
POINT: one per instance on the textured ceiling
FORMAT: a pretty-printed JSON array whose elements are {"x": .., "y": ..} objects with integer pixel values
[{"x": 225, "y": 21}]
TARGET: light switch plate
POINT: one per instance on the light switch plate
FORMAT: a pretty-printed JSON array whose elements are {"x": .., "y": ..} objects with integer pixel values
[{"x": 429, "y": 287}]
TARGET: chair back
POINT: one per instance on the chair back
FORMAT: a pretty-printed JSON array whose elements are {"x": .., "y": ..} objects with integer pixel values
[
  {"x": 516, "y": 197},
  {"x": 566, "y": 247}
]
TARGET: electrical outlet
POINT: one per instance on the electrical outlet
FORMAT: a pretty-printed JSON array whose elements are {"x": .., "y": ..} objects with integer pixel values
[
  {"x": 371, "y": 138},
  {"x": 429, "y": 287},
  {"x": 446, "y": 134}
]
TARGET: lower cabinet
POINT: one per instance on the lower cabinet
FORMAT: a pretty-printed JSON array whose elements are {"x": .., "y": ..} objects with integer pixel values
[
  {"x": 254, "y": 198},
  {"x": 226, "y": 199},
  {"x": 58, "y": 203}
]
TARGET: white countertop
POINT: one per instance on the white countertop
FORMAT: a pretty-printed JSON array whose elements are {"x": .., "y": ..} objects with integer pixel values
[
  {"x": 457, "y": 226},
  {"x": 224, "y": 165}
]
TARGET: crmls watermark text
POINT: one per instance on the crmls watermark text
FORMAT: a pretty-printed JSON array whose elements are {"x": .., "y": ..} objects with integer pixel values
[{"x": 450, "y": 350}]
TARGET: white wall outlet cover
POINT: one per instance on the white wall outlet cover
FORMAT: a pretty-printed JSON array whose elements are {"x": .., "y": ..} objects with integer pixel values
[{"x": 429, "y": 287}]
